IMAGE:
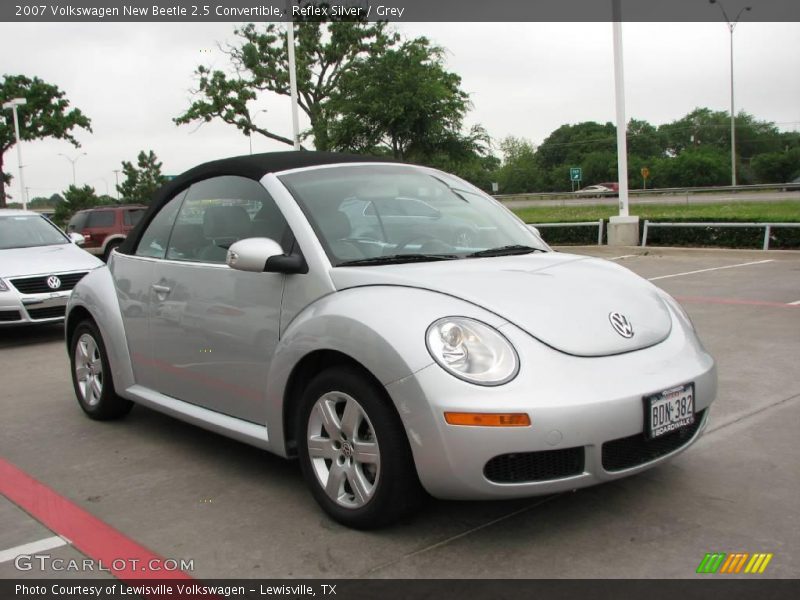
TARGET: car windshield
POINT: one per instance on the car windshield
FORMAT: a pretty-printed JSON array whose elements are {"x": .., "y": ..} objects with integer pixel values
[
  {"x": 379, "y": 214},
  {"x": 27, "y": 231}
]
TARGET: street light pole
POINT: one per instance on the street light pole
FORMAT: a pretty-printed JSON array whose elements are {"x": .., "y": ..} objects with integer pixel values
[
  {"x": 116, "y": 184},
  {"x": 293, "y": 86},
  {"x": 13, "y": 104},
  {"x": 73, "y": 161},
  {"x": 731, "y": 27}
]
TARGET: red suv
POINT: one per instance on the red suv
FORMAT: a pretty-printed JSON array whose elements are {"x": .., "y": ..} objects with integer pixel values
[{"x": 105, "y": 227}]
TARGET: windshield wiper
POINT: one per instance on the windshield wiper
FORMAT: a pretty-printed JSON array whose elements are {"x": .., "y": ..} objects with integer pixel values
[
  {"x": 394, "y": 259},
  {"x": 505, "y": 251}
]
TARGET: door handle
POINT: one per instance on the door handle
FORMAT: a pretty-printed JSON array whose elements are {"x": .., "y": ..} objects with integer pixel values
[{"x": 161, "y": 290}]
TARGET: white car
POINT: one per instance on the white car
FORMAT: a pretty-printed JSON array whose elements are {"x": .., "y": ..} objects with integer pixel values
[{"x": 39, "y": 266}]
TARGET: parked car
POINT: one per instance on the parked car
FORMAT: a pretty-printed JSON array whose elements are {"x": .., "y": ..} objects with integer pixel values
[
  {"x": 39, "y": 266},
  {"x": 386, "y": 366},
  {"x": 105, "y": 227}
]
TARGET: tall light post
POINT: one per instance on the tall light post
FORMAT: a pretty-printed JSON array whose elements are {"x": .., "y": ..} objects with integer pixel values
[
  {"x": 73, "y": 161},
  {"x": 731, "y": 26},
  {"x": 116, "y": 182},
  {"x": 13, "y": 104},
  {"x": 293, "y": 85}
]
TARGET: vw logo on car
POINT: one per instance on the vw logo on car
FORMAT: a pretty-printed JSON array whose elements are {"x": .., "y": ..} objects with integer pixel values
[
  {"x": 53, "y": 282},
  {"x": 621, "y": 324}
]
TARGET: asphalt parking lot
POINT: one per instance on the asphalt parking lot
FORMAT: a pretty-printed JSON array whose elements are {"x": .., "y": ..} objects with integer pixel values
[{"x": 236, "y": 511}]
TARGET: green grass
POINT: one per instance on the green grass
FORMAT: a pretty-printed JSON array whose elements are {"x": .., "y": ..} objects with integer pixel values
[{"x": 785, "y": 211}]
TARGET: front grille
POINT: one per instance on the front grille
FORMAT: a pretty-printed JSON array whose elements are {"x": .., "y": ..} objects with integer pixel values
[
  {"x": 9, "y": 315},
  {"x": 38, "y": 284},
  {"x": 51, "y": 312},
  {"x": 522, "y": 467},
  {"x": 636, "y": 450}
]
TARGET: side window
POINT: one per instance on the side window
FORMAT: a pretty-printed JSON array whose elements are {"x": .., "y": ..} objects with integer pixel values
[
  {"x": 77, "y": 222},
  {"x": 132, "y": 217},
  {"x": 101, "y": 218},
  {"x": 220, "y": 211},
  {"x": 153, "y": 242}
]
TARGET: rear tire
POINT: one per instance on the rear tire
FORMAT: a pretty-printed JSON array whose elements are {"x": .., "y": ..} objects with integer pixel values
[
  {"x": 91, "y": 375},
  {"x": 354, "y": 452}
]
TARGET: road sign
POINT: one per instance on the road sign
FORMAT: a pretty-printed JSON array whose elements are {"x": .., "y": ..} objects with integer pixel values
[
  {"x": 575, "y": 174},
  {"x": 645, "y": 172}
]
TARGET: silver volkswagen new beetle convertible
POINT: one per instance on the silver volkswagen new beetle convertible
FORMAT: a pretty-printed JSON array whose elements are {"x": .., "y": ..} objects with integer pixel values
[{"x": 391, "y": 326}]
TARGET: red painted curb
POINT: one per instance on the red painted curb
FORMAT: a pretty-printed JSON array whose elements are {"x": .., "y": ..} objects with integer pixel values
[{"x": 93, "y": 537}]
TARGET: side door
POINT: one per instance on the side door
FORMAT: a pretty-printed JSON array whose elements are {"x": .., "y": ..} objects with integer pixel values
[
  {"x": 133, "y": 279},
  {"x": 215, "y": 329}
]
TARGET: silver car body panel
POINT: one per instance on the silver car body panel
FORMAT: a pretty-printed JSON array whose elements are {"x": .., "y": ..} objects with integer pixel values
[
  {"x": 354, "y": 311},
  {"x": 563, "y": 300}
]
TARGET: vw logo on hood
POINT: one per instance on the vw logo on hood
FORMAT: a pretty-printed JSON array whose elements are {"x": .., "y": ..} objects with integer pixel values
[
  {"x": 621, "y": 324},
  {"x": 53, "y": 282}
]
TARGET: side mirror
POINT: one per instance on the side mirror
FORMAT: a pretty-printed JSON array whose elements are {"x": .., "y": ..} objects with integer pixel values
[
  {"x": 535, "y": 230},
  {"x": 76, "y": 238},
  {"x": 259, "y": 255}
]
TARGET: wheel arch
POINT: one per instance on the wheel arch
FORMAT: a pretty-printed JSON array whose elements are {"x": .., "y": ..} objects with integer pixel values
[{"x": 311, "y": 364}]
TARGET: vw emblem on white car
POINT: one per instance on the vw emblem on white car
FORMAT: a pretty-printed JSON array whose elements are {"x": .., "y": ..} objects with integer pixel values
[
  {"x": 53, "y": 282},
  {"x": 621, "y": 324}
]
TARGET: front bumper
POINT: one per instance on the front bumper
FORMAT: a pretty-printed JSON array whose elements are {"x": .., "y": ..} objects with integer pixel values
[
  {"x": 17, "y": 308},
  {"x": 576, "y": 405}
]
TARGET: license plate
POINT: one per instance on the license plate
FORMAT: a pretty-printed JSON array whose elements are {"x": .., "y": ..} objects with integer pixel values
[{"x": 669, "y": 410}]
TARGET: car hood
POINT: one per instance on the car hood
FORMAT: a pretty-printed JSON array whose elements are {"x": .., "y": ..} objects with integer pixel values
[
  {"x": 562, "y": 300},
  {"x": 41, "y": 260}
]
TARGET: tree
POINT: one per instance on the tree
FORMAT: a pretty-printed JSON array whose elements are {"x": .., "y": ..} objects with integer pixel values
[
  {"x": 777, "y": 167},
  {"x": 75, "y": 199},
  {"x": 325, "y": 52},
  {"x": 142, "y": 180},
  {"x": 520, "y": 172},
  {"x": 45, "y": 115},
  {"x": 402, "y": 101}
]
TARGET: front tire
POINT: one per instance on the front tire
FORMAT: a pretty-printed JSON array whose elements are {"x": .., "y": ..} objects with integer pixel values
[
  {"x": 91, "y": 375},
  {"x": 353, "y": 451}
]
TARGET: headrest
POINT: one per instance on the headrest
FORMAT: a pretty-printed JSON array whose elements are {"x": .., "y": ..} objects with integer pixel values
[{"x": 226, "y": 222}]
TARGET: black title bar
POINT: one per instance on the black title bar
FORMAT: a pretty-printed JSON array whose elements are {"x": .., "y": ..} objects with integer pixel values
[{"x": 393, "y": 10}]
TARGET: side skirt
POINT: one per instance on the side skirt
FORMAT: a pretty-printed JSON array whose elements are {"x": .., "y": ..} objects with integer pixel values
[{"x": 243, "y": 431}]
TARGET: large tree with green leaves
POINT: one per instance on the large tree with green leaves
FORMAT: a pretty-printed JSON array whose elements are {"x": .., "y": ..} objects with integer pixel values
[
  {"x": 46, "y": 114},
  {"x": 401, "y": 101},
  {"x": 325, "y": 52},
  {"x": 75, "y": 199},
  {"x": 142, "y": 180}
]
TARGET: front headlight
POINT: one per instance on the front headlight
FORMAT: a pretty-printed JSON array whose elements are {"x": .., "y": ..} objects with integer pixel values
[{"x": 472, "y": 351}]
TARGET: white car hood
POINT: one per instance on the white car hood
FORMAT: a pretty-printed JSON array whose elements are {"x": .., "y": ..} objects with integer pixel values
[
  {"x": 42, "y": 260},
  {"x": 562, "y": 300}
]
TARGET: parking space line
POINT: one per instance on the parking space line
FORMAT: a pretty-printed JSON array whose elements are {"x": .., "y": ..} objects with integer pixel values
[
  {"x": 623, "y": 256},
  {"x": 757, "y": 262},
  {"x": 734, "y": 301},
  {"x": 795, "y": 303},
  {"x": 88, "y": 534},
  {"x": 32, "y": 548}
]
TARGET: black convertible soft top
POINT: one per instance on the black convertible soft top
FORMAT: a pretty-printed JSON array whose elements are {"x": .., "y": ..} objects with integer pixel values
[{"x": 252, "y": 166}]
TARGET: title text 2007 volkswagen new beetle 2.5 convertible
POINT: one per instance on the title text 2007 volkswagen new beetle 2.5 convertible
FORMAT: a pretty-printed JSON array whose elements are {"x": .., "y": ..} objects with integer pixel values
[{"x": 391, "y": 326}]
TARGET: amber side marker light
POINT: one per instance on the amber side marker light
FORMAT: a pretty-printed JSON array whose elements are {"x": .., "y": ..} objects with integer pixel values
[{"x": 488, "y": 419}]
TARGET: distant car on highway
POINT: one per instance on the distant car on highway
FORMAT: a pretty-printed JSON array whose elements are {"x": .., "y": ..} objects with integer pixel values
[
  {"x": 39, "y": 266},
  {"x": 105, "y": 227},
  {"x": 595, "y": 191}
]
